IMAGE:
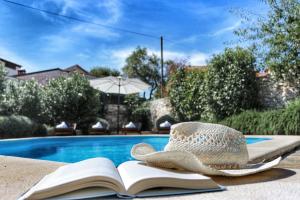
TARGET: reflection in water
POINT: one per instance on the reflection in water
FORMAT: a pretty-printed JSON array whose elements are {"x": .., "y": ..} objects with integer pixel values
[{"x": 38, "y": 152}]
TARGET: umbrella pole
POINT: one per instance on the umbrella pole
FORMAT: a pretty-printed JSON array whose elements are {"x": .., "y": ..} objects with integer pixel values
[{"x": 118, "y": 117}]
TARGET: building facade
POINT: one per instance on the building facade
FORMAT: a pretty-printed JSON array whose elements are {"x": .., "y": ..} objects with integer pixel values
[
  {"x": 12, "y": 68},
  {"x": 43, "y": 77}
]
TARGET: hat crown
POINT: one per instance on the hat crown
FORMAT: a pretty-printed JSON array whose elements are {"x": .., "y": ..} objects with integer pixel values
[{"x": 215, "y": 145}]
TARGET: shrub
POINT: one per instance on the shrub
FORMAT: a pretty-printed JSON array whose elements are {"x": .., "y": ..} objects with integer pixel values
[
  {"x": 70, "y": 99},
  {"x": 104, "y": 71},
  {"x": 246, "y": 122},
  {"x": 133, "y": 102},
  {"x": 231, "y": 82},
  {"x": 138, "y": 110},
  {"x": 187, "y": 93},
  {"x": 281, "y": 121},
  {"x": 142, "y": 115},
  {"x": 22, "y": 98},
  {"x": 2, "y": 78},
  {"x": 290, "y": 118},
  {"x": 20, "y": 126}
]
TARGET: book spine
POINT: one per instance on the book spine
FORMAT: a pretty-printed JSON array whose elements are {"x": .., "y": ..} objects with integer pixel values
[{"x": 125, "y": 196}]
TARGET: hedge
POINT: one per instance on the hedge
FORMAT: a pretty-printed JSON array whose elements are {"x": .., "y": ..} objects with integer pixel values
[
  {"x": 22, "y": 98},
  {"x": 284, "y": 121},
  {"x": 20, "y": 126},
  {"x": 226, "y": 87},
  {"x": 187, "y": 93},
  {"x": 70, "y": 99},
  {"x": 231, "y": 82}
]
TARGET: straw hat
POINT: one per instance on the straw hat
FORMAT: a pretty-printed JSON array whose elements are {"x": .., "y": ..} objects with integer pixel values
[{"x": 205, "y": 148}]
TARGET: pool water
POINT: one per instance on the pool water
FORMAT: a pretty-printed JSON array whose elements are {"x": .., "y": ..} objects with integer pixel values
[{"x": 74, "y": 149}]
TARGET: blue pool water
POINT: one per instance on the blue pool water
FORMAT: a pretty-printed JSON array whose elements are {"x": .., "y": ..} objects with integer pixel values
[{"x": 74, "y": 149}]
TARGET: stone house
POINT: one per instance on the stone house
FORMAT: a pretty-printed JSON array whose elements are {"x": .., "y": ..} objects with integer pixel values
[
  {"x": 12, "y": 68},
  {"x": 275, "y": 94},
  {"x": 43, "y": 77}
]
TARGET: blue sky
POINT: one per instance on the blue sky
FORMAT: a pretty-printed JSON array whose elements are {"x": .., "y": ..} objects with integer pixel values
[{"x": 194, "y": 29}]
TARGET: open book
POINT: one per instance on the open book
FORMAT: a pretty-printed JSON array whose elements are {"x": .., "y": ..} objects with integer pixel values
[{"x": 98, "y": 177}]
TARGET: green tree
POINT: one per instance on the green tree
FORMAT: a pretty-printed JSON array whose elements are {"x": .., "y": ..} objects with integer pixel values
[
  {"x": 186, "y": 88},
  {"x": 22, "y": 98},
  {"x": 170, "y": 66},
  {"x": 231, "y": 82},
  {"x": 277, "y": 38},
  {"x": 70, "y": 99},
  {"x": 104, "y": 71},
  {"x": 2, "y": 78},
  {"x": 138, "y": 110},
  {"x": 133, "y": 102},
  {"x": 143, "y": 66}
]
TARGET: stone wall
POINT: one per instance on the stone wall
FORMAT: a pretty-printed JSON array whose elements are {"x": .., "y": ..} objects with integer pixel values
[
  {"x": 275, "y": 94},
  {"x": 111, "y": 115},
  {"x": 159, "y": 108}
]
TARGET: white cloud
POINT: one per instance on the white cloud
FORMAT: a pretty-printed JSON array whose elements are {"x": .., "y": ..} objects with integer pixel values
[
  {"x": 113, "y": 7},
  {"x": 227, "y": 29},
  {"x": 194, "y": 58},
  {"x": 198, "y": 59},
  {"x": 121, "y": 53},
  {"x": 69, "y": 5},
  {"x": 83, "y": 56},
  {"x": 189, "y": 39},
  {"x": 56, "y": 43},
  {"x": 13, "y": 57},
  {"x": 106, "y": 12},
  {"x": 113, "y": 13},
  {"x": 73, "y": 33},
  {"x": 57, "y": 6},
  {"x": 94, "y": 31},
  {"x": 198, "y": 8}
]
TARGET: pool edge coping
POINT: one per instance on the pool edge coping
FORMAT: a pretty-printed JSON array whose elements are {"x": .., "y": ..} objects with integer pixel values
[{"x": 267, "y": 150}]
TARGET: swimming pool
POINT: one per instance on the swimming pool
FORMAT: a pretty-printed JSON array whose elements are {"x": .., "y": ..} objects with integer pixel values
[{"x": 77, "y": 148}]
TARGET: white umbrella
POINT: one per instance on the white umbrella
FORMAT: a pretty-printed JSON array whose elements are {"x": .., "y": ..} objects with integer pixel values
[{"x": 119, "y": 85}]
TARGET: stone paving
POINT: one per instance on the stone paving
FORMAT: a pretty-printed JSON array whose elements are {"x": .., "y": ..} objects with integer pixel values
[
  {"x": 292, "y": 160},
  {"x": 282, "y": 183}
]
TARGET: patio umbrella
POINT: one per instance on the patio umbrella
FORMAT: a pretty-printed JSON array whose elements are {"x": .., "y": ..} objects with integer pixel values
[{"x": 119, "y": 85}]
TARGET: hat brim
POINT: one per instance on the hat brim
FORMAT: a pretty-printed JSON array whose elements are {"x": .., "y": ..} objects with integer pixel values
[{"x": 187, "y": 161}]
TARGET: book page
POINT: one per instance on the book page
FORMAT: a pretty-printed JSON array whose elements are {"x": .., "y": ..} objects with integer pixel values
[
  {"x": 95, "y": 172},
  {"x": 137, "y": 177}
]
